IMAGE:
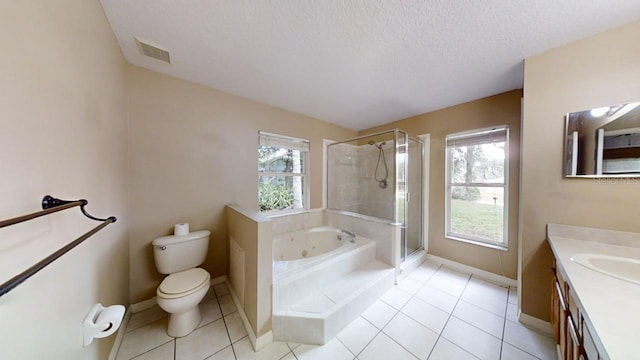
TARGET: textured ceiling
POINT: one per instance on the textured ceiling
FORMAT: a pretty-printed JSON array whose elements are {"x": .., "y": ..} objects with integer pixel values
[{"x": 357, "y": 63}]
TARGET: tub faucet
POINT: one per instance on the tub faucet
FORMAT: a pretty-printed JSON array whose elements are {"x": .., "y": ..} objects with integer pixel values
[{"x": 351, "y": 234}]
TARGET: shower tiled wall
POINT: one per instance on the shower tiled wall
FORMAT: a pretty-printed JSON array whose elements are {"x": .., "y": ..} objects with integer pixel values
[
  {"x": 385, "y": 233},
  {"x": 352, "y": 185},
  {"x": 373, "y": 199},
  {"x": 343, "y": 171}
]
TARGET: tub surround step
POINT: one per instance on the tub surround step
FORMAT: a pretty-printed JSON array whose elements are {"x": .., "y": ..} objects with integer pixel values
[
  {"x": 342, "y": 290},
  {"x": 316, "y": 315}
]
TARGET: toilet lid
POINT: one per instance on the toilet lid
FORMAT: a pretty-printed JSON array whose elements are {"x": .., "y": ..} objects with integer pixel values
[{"x": 184, "y": 281}]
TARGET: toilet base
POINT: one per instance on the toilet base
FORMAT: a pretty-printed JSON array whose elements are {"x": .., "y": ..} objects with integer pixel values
[{"x": 184, "y": 323}]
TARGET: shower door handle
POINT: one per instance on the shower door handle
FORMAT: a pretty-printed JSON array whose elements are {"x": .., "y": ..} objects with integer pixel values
[{"x": 408, "y": 197}]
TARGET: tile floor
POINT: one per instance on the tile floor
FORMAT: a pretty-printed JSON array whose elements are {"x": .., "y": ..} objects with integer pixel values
[{"x": 434, "y": 313}]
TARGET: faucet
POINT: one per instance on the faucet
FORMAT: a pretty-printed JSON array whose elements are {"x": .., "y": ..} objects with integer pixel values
[{"x": 351, "y": 234}]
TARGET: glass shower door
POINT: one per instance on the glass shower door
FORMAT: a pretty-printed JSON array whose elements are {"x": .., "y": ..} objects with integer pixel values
[{"x": 414, "y": 197}]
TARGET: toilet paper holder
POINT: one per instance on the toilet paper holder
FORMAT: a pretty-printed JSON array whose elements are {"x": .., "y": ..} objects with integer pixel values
[{"x": 101, "y": 322}]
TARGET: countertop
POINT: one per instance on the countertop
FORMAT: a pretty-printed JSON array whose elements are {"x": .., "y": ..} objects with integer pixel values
[{"x": 610, "y": 306}]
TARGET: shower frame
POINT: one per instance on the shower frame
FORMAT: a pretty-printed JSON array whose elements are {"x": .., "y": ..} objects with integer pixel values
[{"x": 407, "y": 197}]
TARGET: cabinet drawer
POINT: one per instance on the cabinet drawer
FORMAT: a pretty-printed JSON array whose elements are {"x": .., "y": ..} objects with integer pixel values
[
  {"x": 563, "y": 284},
  {"x": 573, "y": 344}
]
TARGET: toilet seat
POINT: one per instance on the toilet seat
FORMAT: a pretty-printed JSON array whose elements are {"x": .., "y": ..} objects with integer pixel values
[{"x": 183, "y": 283}]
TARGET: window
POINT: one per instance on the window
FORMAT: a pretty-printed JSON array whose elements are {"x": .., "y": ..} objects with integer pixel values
[
  {"x": 282, "y": 173},
  {"x": 477, "y": 186}
]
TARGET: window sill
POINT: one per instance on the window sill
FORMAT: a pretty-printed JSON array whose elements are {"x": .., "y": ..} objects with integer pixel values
[
  {"x": 479, "y": 243},
  {"x": 284, "y": 213}
]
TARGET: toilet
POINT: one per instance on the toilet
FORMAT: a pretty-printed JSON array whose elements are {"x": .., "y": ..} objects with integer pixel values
[{"x": 180, "y": 293}]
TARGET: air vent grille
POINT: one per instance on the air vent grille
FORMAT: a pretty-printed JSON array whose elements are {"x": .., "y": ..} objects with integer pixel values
[{"x": 153, "y": 51}]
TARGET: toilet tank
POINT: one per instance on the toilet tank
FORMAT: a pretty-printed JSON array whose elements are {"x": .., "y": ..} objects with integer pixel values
[{"x": 180, "y": 252}]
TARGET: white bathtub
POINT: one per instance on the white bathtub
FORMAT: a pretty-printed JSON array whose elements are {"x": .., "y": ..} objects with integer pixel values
[
  {"x": 321, "y": 283},
  {"x": 306, "y": 244},
  {"x": 303, "y": 249}
]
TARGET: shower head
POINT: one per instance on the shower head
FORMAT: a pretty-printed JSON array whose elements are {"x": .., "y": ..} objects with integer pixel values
[{"x": 379, "y": 146}]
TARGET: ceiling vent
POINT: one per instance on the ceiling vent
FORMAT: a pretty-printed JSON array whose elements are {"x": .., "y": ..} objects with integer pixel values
[{"x": 153, "y": 51}]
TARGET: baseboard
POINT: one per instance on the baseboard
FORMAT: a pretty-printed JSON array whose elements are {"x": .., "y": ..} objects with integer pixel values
[
  {"x": 541, "y": 326},
  {"x": 257, "y": 342},
  {"x": 264, "y": 340},
  {"x": 218, "y": 280},
  {"x": 120, "y": 335},
  {"x": 412, "y": 263},
  {"x": 482, "y": 274},
  {"x": 414, "y": 260},
  {"x": 143, "y": 305}
]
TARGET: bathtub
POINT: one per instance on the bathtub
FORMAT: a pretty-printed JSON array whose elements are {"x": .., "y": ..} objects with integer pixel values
[
  {"x": 322, "y": 283},
  {"x": 306, "y": 244},
  {"x": 298, "y": 250}
]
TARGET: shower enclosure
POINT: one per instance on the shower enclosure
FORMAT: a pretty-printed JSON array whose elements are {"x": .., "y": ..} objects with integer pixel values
[{"x": 380, "y": 175}]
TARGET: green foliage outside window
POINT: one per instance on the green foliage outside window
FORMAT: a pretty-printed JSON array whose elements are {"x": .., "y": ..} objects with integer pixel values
[
  {"x": 280, "y": 178},
  {"x": 274, "y": 197}
]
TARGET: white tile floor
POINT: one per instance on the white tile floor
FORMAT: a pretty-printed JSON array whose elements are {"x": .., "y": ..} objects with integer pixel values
[{"x": 434, "y": 313}]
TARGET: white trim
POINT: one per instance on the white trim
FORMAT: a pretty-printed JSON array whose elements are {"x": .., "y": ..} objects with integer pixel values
[
  {"x": 482, "y": 274},
  {"x": 411, "y": 263},
  {"x": 143, "y": 305},
  {"x": 520, "y": 202},
  {"x": 257, "y": 343},
  {"x": 219, "y": 280},
  {"x": 283, "y": 141},
  {"x": 267, "y": 134},
  {"x": 492, "y": 245},
  {"x": 476, "y": 132},
  {"x": 504, "y": 245},
  {"x": 426, "y": 172},
  {"x": 325, "y": 159},
  {"x": 121, "y": 331},
  {"x": 541, "y": 326}
]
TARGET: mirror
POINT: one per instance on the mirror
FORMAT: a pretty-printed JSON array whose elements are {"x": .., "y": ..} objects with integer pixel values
[{"x": 603, "y": 142}]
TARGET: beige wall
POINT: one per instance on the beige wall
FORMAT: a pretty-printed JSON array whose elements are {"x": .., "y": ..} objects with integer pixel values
[
  {"x": 495, "y": 110},
  {"x": 62, "y": 84},
  {"x": 193, "y": 149},
  {"x": 601, "y": 70}
]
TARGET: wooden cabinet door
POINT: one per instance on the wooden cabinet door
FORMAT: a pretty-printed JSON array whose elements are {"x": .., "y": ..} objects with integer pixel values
[
  {"x": 562, "y": 320},
  {"x": 555, "y": 310},
  {"x": 573, "y": 343}
]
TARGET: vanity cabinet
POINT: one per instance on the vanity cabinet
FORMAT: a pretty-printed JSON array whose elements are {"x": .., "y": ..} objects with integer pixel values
[
  {"x": 593, "y": 312},
  {"x": 570, "y": 332}
]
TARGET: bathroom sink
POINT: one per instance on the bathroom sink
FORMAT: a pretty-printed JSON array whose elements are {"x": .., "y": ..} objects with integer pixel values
[{"x": 623, "y": 268}]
